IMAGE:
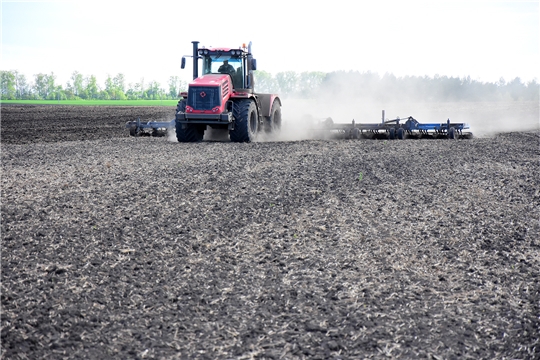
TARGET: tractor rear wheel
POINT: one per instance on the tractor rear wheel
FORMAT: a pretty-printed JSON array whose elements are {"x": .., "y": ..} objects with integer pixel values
[
  {"x": 274, "y": 124},
  {"x": 246, "y": 121},
  {"x": 187, "y": 132}
]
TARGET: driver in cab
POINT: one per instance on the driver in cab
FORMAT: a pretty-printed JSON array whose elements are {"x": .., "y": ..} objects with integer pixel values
[{"x": 226, "y": 68}]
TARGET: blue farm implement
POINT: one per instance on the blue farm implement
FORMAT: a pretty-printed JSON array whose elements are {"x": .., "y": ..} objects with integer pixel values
[{"x": 396, "y": 129}]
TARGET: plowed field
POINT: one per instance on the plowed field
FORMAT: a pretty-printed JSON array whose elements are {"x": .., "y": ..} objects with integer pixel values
[{"x": 119, "y": 247}]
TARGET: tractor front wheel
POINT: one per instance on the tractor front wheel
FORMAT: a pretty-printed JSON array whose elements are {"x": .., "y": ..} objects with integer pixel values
[
  {"x": 246, "y": 121},
  {"x": 187, "y": 132}
]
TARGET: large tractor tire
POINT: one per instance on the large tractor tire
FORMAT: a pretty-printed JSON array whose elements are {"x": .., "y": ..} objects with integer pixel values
[
  {"x": 187, "y": 133},
  {"x": 246, "y": 121},
  {"x": 274, "y": 122},
  {"x": 191, "y": 133}
]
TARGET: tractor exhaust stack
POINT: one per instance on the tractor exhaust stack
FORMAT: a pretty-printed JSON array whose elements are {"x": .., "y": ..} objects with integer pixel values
[{"x": 195, "y": 59}]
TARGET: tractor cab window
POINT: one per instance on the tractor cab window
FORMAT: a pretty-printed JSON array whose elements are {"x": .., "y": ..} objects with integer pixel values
[{"x": 224, "y": 65}]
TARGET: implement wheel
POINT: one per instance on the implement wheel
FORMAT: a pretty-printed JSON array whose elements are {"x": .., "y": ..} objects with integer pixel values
[
  {"x": 392, "y": 134},
  {"x": 452, "y": 133},
  {"x": 133, "y": 130},
  {"x": 400, "y": 134}
]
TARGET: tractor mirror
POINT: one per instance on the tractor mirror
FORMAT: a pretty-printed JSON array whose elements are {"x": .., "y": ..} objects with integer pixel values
[
  {"x": 253, "y": 64},
  {"x": 183, "y": 64}
]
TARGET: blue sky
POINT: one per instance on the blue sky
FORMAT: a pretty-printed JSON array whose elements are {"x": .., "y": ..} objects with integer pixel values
[{"x": 482, "y": 39}]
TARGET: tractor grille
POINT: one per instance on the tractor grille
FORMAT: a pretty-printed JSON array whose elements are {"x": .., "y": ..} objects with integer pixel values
[{"x": 204, "y": 97}]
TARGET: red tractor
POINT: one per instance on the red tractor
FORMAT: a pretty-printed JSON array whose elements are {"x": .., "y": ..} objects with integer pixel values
[{"x": 223, "y": 97}]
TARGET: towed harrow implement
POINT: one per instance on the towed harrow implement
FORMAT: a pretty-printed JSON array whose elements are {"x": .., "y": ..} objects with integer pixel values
[{"x": 396, "y": 129}]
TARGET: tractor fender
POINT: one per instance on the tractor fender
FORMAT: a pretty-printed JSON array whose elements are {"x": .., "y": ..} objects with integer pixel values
[{"x": 266, "y": 101}]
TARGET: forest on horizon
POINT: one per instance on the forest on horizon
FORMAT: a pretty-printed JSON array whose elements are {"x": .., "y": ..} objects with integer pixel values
[{"x": 349, "y": 84}]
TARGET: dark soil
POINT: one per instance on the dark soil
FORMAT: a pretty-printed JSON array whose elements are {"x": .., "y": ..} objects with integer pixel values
[
  {"x": 24, "y": 124},
  {"x": 119, "y": 247}
]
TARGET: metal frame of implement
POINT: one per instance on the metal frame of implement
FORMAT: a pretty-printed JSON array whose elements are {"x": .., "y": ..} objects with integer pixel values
[{"x": 398, "y": 129}]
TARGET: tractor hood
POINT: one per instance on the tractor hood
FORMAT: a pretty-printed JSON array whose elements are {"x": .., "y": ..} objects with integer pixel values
[{"x": 210, "y": 80}]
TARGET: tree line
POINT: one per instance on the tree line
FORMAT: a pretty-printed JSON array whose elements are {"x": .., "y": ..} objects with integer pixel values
[
  {"x": 338, "y": 84},
  {"x": 15, "y": 86},
  {"x": 388, "y": 87}
]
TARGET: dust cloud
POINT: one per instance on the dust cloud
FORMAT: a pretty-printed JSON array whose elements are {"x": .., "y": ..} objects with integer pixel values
[
  {"x": 171, "y": 135},
  {"x": 362, "y": 97},
  {"x": 485, "y": 118}
]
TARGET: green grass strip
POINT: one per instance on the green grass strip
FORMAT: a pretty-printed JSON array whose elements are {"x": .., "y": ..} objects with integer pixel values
[{"x": 94, "y": 102}]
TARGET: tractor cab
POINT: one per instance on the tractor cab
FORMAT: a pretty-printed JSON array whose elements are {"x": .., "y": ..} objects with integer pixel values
[
  {"x": 225, "y": 64},
  {"x": 238, "y": 63}
]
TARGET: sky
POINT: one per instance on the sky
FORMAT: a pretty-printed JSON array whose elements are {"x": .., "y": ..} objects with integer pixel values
[{"x": 485, "y": 40}]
